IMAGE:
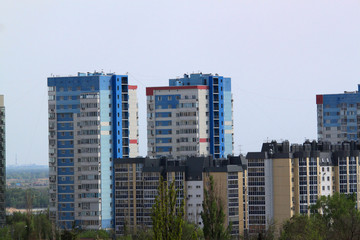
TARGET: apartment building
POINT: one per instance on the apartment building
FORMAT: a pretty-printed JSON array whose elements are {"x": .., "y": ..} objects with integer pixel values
[
  {"x": 338, "y": 116},
  {"x": 137, "y": 180},
  {"x": 2, "y": 162},
  {"x": 192, "y": 116},
  {"x": 285, "y": 180},
  {"x": 92, "y": 121}
]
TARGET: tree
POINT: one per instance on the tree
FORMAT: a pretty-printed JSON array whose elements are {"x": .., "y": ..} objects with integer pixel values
[
  {"x": 332, "y": 217},
  {"x": 5, "y": 233},
  {"x": 339, "y": 215},
  {"x": 191, "y": 231},
  {"x": 302, "y": 227},
  {"x": 167, "y": 216},
  {"x": 141, "y": 233},
  {"x": 213, "y": 215},
  {"x": 94, "y": 234}
]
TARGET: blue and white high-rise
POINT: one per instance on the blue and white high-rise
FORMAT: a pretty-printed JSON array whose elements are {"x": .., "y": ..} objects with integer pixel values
[
  {"x": 193, "y": 116},
  {"x": 93, "y": 119},
  {"x": 338, "y": 116}
]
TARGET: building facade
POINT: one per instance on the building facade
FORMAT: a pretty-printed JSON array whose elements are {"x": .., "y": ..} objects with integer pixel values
[
  {"x": 338, "y": 116},
  {"x": 2, "y": 162},
  {"x": 192, "y": 116},
  {"x": 92, "y": 121},
  {"x": 137, "y": 180},
  {"x": 286, "y": 180}
]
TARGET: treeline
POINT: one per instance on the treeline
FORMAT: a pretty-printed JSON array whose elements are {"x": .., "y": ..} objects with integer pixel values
[
  {"x": 27, "y": 173},
  {"x": 17, "y": 197},
  {"x": 28, "y": 226},
  {"x": 332, "y": 217}
]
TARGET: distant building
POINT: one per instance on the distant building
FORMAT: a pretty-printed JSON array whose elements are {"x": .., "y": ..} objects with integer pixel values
[
  {"x": 338, "y": 116},
  {"x": 284, "y": 181},
  {"x": 191, "y": 116},
  {"x": 93, "y": 119},
  {"x": 137, "y": 180},
  {"x": 2, "y": 162}
]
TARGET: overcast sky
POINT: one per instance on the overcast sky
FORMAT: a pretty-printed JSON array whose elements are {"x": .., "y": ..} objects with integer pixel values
[{"x": 279, "y": 54}]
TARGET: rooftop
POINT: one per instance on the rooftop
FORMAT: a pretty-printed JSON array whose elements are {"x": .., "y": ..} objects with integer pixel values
[{"x": 85, "y": 74}]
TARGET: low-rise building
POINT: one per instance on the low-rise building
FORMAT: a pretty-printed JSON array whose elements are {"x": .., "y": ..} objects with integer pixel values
[
  {"x": 285, "y": 180},
  {"x": 137, "y": 180}
]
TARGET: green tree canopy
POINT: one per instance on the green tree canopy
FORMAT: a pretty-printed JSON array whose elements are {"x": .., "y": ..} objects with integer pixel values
[
  {"x": 167, "y": 216},
  {"x": 333, "y": 217}
]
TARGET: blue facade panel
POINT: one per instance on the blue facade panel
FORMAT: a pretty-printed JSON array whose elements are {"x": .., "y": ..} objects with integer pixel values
[
  {"x": 65, "y": 127},
  {"x": 66, "y": 171},
  {"x": 65, "y": 180},
  {"x": 68, "y": 117},
  {"x": 67, "y": 216},
  {"x": 65, "y": 136},
  {"x": 65, "y": 162},
  {"x": 167, "y": 101},
  {"x": 65, "y": 144},
  {"x": 65, "y": 207},
  {"x": 216, "y": 118},
  {"x": 65, "y": 153},
  {"x": 66, "y": 197},
  {"x": 163, "y": 131},
  {"x": 65, "y": 189},
  {"x": 117, "y": 90},
  {"x": 106, "y": 156}
]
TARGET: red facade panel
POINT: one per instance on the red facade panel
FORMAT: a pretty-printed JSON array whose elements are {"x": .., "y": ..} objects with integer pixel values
[
  {"x": 133, "y": 141},
  {"x": 319, "y": 99}
]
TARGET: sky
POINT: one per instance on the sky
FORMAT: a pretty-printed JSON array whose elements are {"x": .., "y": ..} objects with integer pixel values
[{"x": 279, "y": 55}]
